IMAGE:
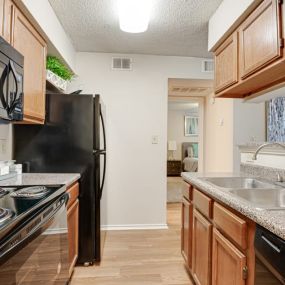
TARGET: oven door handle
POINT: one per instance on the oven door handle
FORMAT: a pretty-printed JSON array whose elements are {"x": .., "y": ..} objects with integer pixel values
[{"x": 39, "y": 222}]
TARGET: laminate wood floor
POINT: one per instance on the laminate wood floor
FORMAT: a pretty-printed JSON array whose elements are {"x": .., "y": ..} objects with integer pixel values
[{"x": 144, "y": 257}]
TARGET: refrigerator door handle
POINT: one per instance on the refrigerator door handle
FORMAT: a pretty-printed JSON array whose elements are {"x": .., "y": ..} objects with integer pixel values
[
  {"x": 104, "y": 174},
  {"x": 103, "y": 128}
]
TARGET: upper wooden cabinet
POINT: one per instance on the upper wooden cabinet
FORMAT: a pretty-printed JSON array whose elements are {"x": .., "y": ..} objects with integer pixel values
[
  {"x": 32, "y": 46},
  {"x": 252, "y": 59},
  {"x": 260, "y": 38},
  {"x": 8, "y": 14},
  {"x": 226, "y": 59}
]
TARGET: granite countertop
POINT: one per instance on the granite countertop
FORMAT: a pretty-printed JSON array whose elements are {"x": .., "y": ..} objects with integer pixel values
[
  {"x": 273, "y": 220},
  {"x": 27, "y": 179}
]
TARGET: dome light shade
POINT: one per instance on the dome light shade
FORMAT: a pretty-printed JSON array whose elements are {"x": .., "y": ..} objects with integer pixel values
[{"x": 134, "y": 15}]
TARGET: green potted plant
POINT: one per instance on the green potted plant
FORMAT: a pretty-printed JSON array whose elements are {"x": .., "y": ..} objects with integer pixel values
[{"x": 57, "y": 73}]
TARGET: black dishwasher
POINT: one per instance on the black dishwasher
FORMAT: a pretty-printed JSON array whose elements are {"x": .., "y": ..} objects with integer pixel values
[{"x": 269, "y": 258}]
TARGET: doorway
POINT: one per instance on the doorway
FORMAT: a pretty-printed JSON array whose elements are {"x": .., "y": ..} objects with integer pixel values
[{"x": 185, "y": 133}]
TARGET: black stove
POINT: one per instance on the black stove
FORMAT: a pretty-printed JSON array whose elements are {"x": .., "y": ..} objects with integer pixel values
[{"x": 17, "y": 203}]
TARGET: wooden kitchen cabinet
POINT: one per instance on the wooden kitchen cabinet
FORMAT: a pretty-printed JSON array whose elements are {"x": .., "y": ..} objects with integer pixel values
[
  {"x": 252, "y": 59},
  {"x": 201, "y": 252},
  {"x": 33, "y": 47},
  {"x": 228, "y": 263},
  {"x": 8, "y": 15},
  {"x": 186, "y": 232},
  {"x": 226, "y": 61},
  {"x": 72, "y": 224},
  {"x": 259, "y": 37}
]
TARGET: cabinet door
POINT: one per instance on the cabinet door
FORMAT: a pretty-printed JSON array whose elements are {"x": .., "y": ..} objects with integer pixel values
[
  {"x": 8, "y": 12},
  {"x": 72, "y": 223},
  {"x": 186, "y": 232},
  {"x": 202, "y": 233},
  {"x": 226, "y": 63},
  {"x": 260, "y": 38},
  {"x": 28, "y": 42},
  {"x": 228, "y": 264}
]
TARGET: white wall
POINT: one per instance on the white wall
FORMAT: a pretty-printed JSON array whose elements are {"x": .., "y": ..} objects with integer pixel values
[
  {"x": 46, "y": 18},
  {"x": 136, "y": 102},
  {"x": 175, "y": 129},
  {"x": 224, "y": 17},
  {"x": 229, "y": 123},
  {"x": 249, "y": 125},
  {"x": 218, "y": 138}
]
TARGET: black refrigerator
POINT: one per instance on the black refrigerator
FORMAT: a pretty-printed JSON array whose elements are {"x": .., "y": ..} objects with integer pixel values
[{"x": 72, "y": 140}]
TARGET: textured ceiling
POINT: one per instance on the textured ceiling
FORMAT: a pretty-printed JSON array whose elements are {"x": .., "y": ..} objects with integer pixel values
[{"x": 177, "y": 27}]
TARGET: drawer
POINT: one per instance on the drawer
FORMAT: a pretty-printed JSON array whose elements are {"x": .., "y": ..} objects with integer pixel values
[
  {"x": 203, "y": 203},
  {"x": 232, "y": 225},
  {"x": 187, "y": 191},
  {"x": 73, "y": 192}
]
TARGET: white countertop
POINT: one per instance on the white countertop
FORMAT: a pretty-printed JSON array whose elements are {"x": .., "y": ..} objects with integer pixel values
[{"x": 274, "y": 220}]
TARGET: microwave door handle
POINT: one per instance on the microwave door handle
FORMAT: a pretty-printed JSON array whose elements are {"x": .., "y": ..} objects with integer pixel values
[
  {"x": 2, "y": 81},
  {"x": 15, "y": 75}
]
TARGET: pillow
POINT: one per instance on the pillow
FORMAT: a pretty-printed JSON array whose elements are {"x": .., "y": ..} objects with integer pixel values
[{"x": 190, "y": 151}]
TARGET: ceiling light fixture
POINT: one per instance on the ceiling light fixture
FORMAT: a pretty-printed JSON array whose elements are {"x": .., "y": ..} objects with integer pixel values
[{"x": 134, "y": 15}]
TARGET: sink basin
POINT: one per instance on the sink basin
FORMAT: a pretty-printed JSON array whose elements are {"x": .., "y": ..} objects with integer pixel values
[
  {"x": 240, "y": 183},
  {"x": 267, "y": 199}
]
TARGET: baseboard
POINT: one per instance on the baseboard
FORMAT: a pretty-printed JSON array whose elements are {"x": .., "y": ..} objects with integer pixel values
[{"x": 134, "y": 227}]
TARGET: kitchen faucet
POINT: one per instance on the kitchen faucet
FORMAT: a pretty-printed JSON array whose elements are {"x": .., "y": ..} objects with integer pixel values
[{"x": 254, "y": 157}]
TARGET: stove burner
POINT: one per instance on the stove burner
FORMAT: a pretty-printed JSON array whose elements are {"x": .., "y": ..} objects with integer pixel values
[
  {"x": 3, "y": 192},
  {"x": 30, "y": 192},
  {"x": 5, "y": 214}
]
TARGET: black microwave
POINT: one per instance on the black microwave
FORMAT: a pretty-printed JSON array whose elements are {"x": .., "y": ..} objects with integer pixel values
[{"x": 11, "y": 83}]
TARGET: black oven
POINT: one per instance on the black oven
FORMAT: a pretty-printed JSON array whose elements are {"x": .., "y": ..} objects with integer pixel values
[
  {"x": 11, "y": 82},
  {"x": 37, "y": 252},
  {"x": 269, "y": 258}
]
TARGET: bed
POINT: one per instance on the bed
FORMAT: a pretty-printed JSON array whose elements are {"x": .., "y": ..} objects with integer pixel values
[{"x": 190, "y": 156}]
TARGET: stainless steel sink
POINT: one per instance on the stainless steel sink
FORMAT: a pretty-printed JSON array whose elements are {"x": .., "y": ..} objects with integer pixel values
[
  {"x": 240, "y": 183},
  {"x": 267, "y": 199}
]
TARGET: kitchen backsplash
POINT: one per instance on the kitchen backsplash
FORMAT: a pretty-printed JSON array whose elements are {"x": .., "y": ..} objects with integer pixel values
[{"x": 5, "y": 141}]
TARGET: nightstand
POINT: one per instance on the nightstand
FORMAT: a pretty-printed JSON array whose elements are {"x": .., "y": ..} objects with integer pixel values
[{"x": 174, "y": 167}]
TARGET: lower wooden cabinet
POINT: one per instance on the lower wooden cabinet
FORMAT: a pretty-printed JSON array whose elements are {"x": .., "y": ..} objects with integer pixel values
[
  {"x": 218, "y": 248},
  {"x": 72, "y": 224},
  {"x": 228, "y": 263},
  {"x": 186, "y": 232},
  {"x": 201, "y": 252}
]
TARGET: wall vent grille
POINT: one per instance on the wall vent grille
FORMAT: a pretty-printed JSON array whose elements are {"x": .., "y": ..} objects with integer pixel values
[{"x": 121, "y": 63}]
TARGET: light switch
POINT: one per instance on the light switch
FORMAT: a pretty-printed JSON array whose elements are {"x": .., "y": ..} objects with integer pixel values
[{"x": 154, "y": 139}]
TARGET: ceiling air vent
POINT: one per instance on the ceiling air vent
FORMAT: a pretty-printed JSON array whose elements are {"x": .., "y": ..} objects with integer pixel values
[
  {"x": 120, "y": 63},
  {"x": 208, "y": 65}
]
